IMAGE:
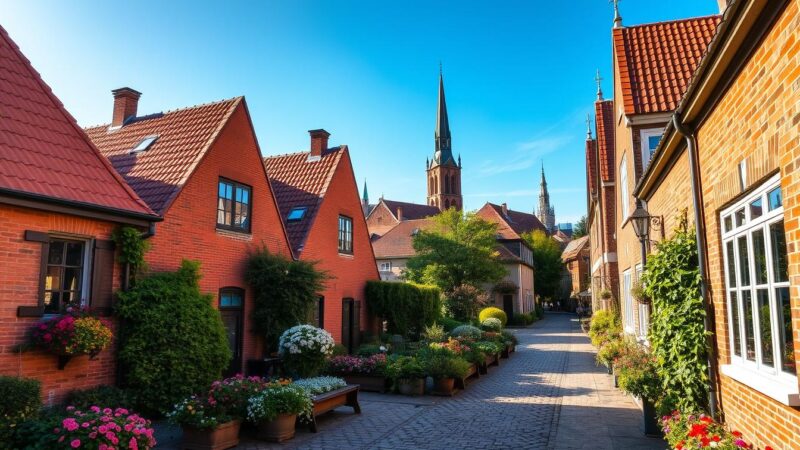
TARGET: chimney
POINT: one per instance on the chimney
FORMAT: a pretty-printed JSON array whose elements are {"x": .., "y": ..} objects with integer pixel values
[
  {"x": 504, "y": 207},
  {"x": 126, "y": 102},
  {"x": 399, "y": 213},
  {"x": 319, "y": 142}
]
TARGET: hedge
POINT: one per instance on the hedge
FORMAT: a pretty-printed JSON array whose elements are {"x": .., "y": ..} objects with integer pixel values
[
  {"x": 21, "y": 399},
  {"x": 406, "y": 307}
]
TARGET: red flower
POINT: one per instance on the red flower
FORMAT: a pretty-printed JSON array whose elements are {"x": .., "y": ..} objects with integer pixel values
[{"x": 736, "y": 433}]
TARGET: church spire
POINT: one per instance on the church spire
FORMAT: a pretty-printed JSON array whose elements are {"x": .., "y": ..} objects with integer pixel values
[
  {"x": 365, "y": 197},
  {"x": 547, "y": 213},
  {"x": 443, "y": 152},
  {"x": 617, "y": 16}
]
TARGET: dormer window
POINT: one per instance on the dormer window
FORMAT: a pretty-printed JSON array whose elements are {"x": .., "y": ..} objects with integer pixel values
[
  {"x": 145, "y": 144},
  {"x": 233, "y": 206},
  {"x": 296, "y": 214}
]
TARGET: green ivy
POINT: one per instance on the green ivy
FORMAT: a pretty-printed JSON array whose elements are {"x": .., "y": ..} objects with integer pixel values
[
  {"x": 407, "y": 307},
  {"x": 677, "y": 331},
  {"x": 131, "y": 247}
]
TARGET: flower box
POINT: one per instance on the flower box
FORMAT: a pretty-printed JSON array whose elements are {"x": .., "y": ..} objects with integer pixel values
[
  {"x": 474, "y": 372},
  {"x": 278, "y": 430},
  {"x": 507, "y": 351},
  {"x": 346, "y": 396},
  {"x": 369, "y": 383},
  {"x": 491, "y": 360},
  {"x": 411, "y": 386},
  {"x": 222, "y": 437},
  {"x": 444, "y": 387}
]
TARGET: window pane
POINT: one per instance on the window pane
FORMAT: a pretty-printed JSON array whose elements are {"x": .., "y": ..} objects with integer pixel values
[
  {"x": 74, "y": 254},
  {"x": 652, "y": 143},
  {"x": 56, "y": 253},
  {"x": 775, "y": 199},
  {"x": 744, "y": 261},
  {"x": 749, "y": 336},
  {"x": 756, "y": 209},
  {"x": 760, "y": 256},
  {"x": 765, "y": 327},
  {"x": 52, "y": 301},
  {"x": 728, "y": 223},
  {"x": 221, "y": 192},
  {"x": 785, "y": 325},
  {"x": 778, "y": 242},
  {"x": 737, "y": 337},
  {"x": 53, "y": 279},
  {"x": 739, "y": 216},
  {"x": 72, "y": 279},
  {"x": 731, "y": 264},
  {"x": 229, "y": 191}
]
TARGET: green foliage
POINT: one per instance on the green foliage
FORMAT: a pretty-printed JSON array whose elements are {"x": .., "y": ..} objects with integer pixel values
[
  {"x": 638, "y": 373},
  {"x": 492, "y": 324},
  {"x": 285, "y": 290},
  {"x": 467, "y": 331},
  {"x": 677, "y": 331},
  {"x": 449, "y": 323},
  {"x": 407, "y": 307},
  {"x": 605, "y": 326},
  {"x": 130, "y": 247},
  {"x": 546, "y": 262},
  {"x": 434, "y": 333},
  {"x": 405, "y": 367},
  {"x": 580, "y": 229},
  {"x": 102, "y": 396},
  {"x": 20, "y": 402},
  {"x": 459, "y": 250},
  {"x": 368, "y": 349},
  {"x": 35, "y": 433},
  {"x": 611, "y": 350},
  {"x": 172, "y": 341},
  {"x": 494, "y": 312},
  {"x": 523, "y": 319},
  {"x": 439, "y": 365},
  {"x": 275, "y": 401},
  {"x": 463, "y": 302},
  {"x": 339, "y": 350}
]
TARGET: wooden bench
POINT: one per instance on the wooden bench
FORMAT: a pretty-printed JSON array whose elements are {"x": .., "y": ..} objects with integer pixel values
[{"x": 323, "y": 403}]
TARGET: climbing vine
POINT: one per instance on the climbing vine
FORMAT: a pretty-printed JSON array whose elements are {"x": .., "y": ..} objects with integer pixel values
[
  {"x": 131, "y": 247},
  {"x": 677, "y": 332}
]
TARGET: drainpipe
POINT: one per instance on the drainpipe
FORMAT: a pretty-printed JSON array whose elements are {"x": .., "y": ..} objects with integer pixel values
[{"x": 690, "y": 136}]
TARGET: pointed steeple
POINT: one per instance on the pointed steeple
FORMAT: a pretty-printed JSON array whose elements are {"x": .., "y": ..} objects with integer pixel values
[
  {"x": 365, "y": 197},
  {"x": 588, "y": 127},
  {"x": 443, "y": 151},
  {"x": 546, "y": 214},
  {"x": 598, "y": 79},
  {"x": 617, "y": 16}
]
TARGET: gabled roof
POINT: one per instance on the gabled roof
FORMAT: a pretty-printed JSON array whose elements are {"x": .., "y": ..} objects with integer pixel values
[
  {"x": 300, "y": 182},
  {"x": 574, "y": 248},
  {"x": 411, "y": 211},
  {"x": 398, "y": 242},
  {"x": 604, "y": 116},
  {"x": 183, "y": 139},
  {"x": 511, "y": 225},
  {"x": 44, "y": 154},
  {"x": 657, "y": 60}
]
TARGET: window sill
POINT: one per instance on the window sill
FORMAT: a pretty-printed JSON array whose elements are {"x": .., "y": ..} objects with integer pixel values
[
  {"x": 238, "y": 235},
  {"x": 346, "y": 255},
  {"x": 785, "y": 393}
]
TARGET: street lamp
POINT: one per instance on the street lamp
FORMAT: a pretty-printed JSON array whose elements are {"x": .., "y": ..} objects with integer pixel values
[{"x": 640, "y": 220}]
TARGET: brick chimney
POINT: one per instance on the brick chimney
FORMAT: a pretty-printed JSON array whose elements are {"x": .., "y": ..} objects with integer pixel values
[
  {"x": 319, "y": 141},
  {"x": 126, "y": 102},
  {"x": 399, "y": 213},
  {"x": 504, "y": 208}
]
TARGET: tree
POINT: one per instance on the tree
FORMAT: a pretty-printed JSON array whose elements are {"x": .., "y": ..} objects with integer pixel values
[
  {"x": 546, "y": 263},
  {"x": 580, "y": 230},
  {"x": 459, "y": 249}
]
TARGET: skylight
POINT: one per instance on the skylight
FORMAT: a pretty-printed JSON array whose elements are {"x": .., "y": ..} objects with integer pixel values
[
  {"x": 144, "y": 144},
  {"x": 296, "y": 214}
]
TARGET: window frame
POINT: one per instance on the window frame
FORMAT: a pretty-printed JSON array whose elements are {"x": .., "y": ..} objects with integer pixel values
[
  {"x": 643, "y": 327},
  {"x": 235, "y": 185},
  {"x": 627, "y": 284},
  {"x": 381, "y": 265},
  {"x": 342, "y": 240},
  {"x": 644, "y": 143},
  {"x": 623, "y": 188},
  {"x": 730, "y": 232},
  {"x": 230, "y": 290},
  {"x": 85, "y": 267}
]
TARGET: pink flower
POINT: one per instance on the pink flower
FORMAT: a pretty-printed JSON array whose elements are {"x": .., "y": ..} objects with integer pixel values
[
  {"x": 133, "y": 445},
  {"x": 75, "y": 443},
  {"x": 70, "y": 424}
]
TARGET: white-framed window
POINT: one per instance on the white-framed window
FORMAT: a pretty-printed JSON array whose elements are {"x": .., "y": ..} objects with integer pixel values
[
  {"x": 623, "y": 187},
  {"x": 757, "y": 284},
  {"x": 649, "y": 142},
  {"x": 386, "y": 266},
  {"x": 644, "y": 311},
  {"x": 627, "y": 301}
]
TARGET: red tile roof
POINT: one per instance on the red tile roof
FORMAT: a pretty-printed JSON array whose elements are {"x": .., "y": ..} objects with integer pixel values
[
  {"x": 298, "y": 181},
  {"x": 411, "y": 211},
  {"x": 604, "y": 117},
  {"x": 43, "y": 152},
  {"x": 511, "y": 225},
  {"x": 574, "y": 248},
  {"x": 398, "y": 242},
  {"x": 656, "y": 61},
  {"x": 184, "y": 137}
]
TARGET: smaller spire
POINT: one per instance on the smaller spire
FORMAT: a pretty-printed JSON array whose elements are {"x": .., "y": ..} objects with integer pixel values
[
  {"x": 588, "y": 131},
  {"x": 365, "y": 198},
  {"x": 459, "y": 160},
  {"x": 598, "y": 79},
  {"x": 617, "y": 16}
]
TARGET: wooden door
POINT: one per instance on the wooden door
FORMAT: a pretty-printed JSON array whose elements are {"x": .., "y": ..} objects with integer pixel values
[
  {"x": 351, "y": 324},
  {"x": 508, "y": 305},
  {"x": 231, "y": 308}
]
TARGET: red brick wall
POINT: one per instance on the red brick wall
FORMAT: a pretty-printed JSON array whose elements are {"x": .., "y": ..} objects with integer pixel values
[
  {"x": 20, "y": 261},
  {"x": 350, "y": 272},
  {"x": 189, "y": 227},
  {"x": 381, "y": 220}
]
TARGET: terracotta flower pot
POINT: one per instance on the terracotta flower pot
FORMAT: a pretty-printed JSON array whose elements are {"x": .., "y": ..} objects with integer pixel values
[
  {"x": 444, "y": 386},
  {"x": 222, "y": 437},
  {"x": 411, "y": 386},
  {"x": 278, "y": 430}
]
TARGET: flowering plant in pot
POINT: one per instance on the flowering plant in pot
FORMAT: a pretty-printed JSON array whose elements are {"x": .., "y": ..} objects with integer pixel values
[
  {"x": 206, "y": 424},
  {"x": 408, "y": 374},
  {"x": 73, "y": 333},
  {"x": 444, "y": 370},
  {"x": 100, "y": 428},
  {"x": 233, "y": 394},
  {"x": 637, "y": 373},
  {"x": 275, "y": 410},
  {"x": 304, "y": 349},
  {"x": 688, "y": 431}
]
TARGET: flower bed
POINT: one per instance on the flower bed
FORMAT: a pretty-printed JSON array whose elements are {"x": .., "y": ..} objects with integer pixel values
[
  {"x": 689, "y": 431},
  {"x": 367, "y": 371},
  {"x": 104, "y": 428}
]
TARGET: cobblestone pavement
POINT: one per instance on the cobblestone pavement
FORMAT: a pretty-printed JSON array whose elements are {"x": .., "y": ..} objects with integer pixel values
[{"x": 548, "y": 395}]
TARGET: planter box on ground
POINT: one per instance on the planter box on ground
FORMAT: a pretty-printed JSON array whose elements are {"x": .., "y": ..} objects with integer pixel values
[
  {"x": 369, "y": 383},
  {"x": 222, "y": 437},
  {"x": 474, "y": 372},
  {"x": 346, "y": 396}
]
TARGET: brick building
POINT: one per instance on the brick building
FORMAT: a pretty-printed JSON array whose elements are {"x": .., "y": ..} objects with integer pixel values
[
  {"x": 60, "y": 200},
  {"x": 200, "y": 169},
  {"x": 387, "y": 214},
  {"x": 576, "y": 261},
  {"x": 733, "y": 149},
  {"x": 319, "y": 203}
]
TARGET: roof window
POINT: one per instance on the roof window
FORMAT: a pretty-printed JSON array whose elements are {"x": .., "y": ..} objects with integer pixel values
[
  {"x": 296, "y": 214},
  {"x": 144, "y": 144}
]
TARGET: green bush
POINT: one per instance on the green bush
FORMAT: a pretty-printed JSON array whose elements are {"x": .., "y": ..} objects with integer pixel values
[
  {"x": 21, "y": 400},
  {"x": 494, "y": 312},
  {"x": 339, "y": 350},
  {"x": 102, "y": 396},
  {"x": 524, "y": 319},
  {"x": 368, "y": 349},
  {"x": 407, "y": 307},
  {"x": 467, "y": 331},
  {"x": 434, "y": 333},
  {"x": 611, "y": 350},
  {"x": 449, "y": 323},
  {"x": 284, "y": 290},
  {"x": 405, "y": 367},
  {"x": 638, "y": 373},
  {"x": 605, "y": 325},
  {"x": 438, "y": 365},
  {"x": 464, "y": 302},
  {"x": 35, "y": 433},
  {"x": 171, "y": 342}
]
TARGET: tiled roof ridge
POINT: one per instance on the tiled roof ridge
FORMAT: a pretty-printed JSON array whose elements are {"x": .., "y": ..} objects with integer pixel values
[
  {"x": 667, "y": 22},
  {"x": 37, "y": 77},
  {"x": 160, "y": 114},
  {"x": 303, "y": 152}
]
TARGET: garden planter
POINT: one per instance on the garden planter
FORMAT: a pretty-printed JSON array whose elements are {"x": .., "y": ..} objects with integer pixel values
[
  {"x": 222, "y": 437},
  {"x": 473, "y": 372},
  {"x": 507, "y": 351},
  {"x": 444, "y": 386},
  {"x": 491, "y": 360},
  {"x": 278, "y": 430},
  {"x": 650, "y": 417},
  {"x": 346, "y": 396},
  {"x": 369, "y": 383},
  {"x": 411, "y": 386}
]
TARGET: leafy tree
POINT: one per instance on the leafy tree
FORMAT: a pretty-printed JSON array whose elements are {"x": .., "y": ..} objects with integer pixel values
[
  {"x": 285, "y": 291},
  {"x": 464, "y": 302},
  {"x": 458, "y": 250},
  {"x": 546, "y": 263},
  {"x": 580, "y": 229}
]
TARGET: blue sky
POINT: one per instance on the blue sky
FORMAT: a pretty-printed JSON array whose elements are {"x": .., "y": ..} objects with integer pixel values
[{"x": 519, "y": 77}]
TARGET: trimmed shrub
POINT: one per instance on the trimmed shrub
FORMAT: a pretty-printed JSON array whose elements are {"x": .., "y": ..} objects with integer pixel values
[
  {"x": 492, "y": 324},
  {"x": 493, "y": 312},
  {"x": 449, "y": 323},
  {"x": 407, "y": 307},
  {"x": 102, "y": 396},
  {"x": 172, "y": 341},
  {"x": 21, "y": 400},
  {"x": 467, "y": 331}
]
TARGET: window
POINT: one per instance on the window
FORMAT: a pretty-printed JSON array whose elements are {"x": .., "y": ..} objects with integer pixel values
[
  {"x": 64, "y": 275},
  {"x": 757, "y": 283},
  {"x": 644, "y": 311},
  {"x": 386, "y": 267},
  {"x": 628, "y": 306},
  {"x": 296, "y": 214},
  {"x": 345, "y": 235},
  {"x": 231, "y": 297},
  {"x": 623, "y": 187},
  {"x": 233, "y": 206},
  {"x": 144, "y": 144},
  {"x": 650, "y": 139},
  {"x": 318, "y": 313}
]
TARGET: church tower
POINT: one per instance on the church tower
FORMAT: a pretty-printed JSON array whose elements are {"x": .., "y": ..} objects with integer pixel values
[
  {"x": 444, "y": 171},
  {"x": 547, "y": 213}
]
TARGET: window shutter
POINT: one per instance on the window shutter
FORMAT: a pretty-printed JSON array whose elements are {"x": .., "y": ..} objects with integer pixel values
[
  {"x": 37, "y": 311},
  {"x": 346, "y": 307},
  {"x": 356, "y": 324},
  {"x": 102, "y": 294}
]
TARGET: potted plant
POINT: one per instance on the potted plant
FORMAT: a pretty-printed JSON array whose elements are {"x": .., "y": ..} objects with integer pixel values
[
  {"x": 205, "y": 424},
  {"x": 638, "y": 375},
  {"x": 509, "y": 342},
  {"x": 366, "y": 371},
  {"x": 444, "y": 370},
  {"x": 609, "y": 351},
  {"x": 605, "y": 294},
  {"x": 491, "y": 351},
  {"x": 687, "y": 431},
  {"x": 638, "y": 292},
  {"x": 74, "y": 333},
  {"x": 408, "y": 375},
  {"x": 275, "y": 410},
  {"x": 304, "y": 349}
]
